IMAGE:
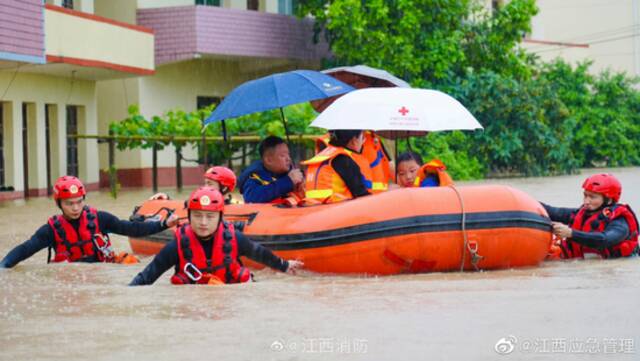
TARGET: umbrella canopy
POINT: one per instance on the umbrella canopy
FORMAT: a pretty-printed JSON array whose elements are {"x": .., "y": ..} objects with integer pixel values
[
  {"x": 359, "y": 76},
  {"x": 277, "y": 91},
  {"x": 405, "y": 110},
  {"x": 372, "y": 77}
]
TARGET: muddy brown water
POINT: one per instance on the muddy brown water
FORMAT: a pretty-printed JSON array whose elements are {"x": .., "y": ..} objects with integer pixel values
[{"x": 561, "y": 310}]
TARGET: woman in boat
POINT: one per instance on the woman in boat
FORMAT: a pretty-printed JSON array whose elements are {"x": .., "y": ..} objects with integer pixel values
[
  {"x": 207, "y": 250},
  {"x": 80, "y": 233},
  {"x": 412, "y": 173},
  {"x": 375, "y": 153},
  {"x": 601, "y": 226},
  {"x": 339, "y": 172}
]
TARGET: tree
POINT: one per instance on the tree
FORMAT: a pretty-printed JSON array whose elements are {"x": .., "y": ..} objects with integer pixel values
[{"x": 427, "y": 42}]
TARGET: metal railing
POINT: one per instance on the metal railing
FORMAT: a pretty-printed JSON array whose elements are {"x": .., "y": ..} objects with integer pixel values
[{"x": 111, "y": 140}]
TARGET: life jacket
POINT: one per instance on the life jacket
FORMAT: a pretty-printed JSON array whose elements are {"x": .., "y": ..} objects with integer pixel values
[
  {"x": 374, "y": 153},
  {"x": 324, "y": 184},
  {"x": 433, "y": 167},
  {"x": 322, "y": 142},
  {"x": 598, "y": 222},
  {"x": 87, "y": 244},
  {"x": 223, "y": 266},
  {"x": 291, "y": 199}
]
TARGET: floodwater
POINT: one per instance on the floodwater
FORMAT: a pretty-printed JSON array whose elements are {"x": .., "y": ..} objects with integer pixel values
[{"x": 561, "y": 310}]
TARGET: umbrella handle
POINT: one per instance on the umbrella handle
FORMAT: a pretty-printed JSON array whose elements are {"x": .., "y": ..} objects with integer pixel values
[{"x": 284, "y": 121}]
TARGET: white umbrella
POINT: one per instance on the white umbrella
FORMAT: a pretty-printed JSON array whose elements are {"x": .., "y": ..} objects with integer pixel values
[{"x": 404, "y": 110}]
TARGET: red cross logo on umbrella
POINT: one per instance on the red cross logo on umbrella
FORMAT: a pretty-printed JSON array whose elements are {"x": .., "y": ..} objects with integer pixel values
[{"x": 403, "y": 111}]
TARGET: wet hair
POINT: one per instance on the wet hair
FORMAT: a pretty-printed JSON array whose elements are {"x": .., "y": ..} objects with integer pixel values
[
  {"x": 407, "y": 156},
  {"x": 341, "y": 137},
  {"x": 269, "y": 143}
]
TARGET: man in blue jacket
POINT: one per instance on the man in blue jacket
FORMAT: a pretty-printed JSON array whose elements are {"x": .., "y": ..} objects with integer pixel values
[{"x": 272, "y": 178}]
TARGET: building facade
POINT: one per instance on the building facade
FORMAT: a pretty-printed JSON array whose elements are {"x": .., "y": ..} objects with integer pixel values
[
  {"x": 51, "y": 58},
  {"x": 604, "y": 31},
  {"x": 74, "y": 66}
]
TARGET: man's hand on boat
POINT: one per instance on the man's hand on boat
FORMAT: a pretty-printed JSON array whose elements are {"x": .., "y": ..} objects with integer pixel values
[
  {"x": 172, "y": 220},
  {"x": 561, "y": 230},
  {"x": 294, "y": 266},
  {"x": 296, "y": 176}
]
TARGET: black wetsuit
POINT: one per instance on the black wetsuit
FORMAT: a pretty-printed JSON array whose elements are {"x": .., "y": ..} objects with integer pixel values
[
  {"x": 108, "y": 223},
  {"x": 168, "y": 257},
  {"x": 615, "y": 232}
]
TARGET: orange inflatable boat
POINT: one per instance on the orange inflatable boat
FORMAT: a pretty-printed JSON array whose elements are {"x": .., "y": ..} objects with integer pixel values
[{"x": 406, "y": 230}]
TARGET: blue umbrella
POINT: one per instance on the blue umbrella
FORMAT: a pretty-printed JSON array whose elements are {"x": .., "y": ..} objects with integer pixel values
[{"x": 277, "y": 91}]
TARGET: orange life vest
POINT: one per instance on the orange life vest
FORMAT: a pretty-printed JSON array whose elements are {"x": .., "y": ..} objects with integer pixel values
[
  {"x": 223, "y": 266},
  {"x": 322, "y": 142},
  {"x": 324, "y": 184},
  {"x": 435, "y": 167},
  {"x": 373, "y": 152},
  {"x": 598, "y": 222},
  {"x": 85, "y": 244}
]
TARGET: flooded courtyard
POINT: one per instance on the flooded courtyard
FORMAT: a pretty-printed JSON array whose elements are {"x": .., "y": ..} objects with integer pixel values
[{"x": 561, "y": 310}]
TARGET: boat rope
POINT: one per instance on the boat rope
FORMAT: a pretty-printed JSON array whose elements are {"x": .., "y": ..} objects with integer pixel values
[{"x": 470, "y": 246}]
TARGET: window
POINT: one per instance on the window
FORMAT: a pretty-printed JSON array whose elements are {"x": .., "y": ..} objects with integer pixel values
[
  {"x": 253, "y": 5},
  {"x": 208, "y": 2},
  {"x": 203, "y": 102},
  {"x": 72, "y": 143},
  {"x": 67, "y": 4},
  {"x": 287, "y": 7},
  {"x": 1, "y": 147}
]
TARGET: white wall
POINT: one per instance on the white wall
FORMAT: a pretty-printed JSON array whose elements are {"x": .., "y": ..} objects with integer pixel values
[
  {"x": 607, "y": 26},
  {"x": 173, "y": 86},
  {"x": 120, "y": 10},
  {"x": 37, "y": 90}
]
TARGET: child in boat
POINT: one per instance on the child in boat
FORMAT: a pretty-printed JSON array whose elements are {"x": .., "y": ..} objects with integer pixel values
[
  {"x": 601, "y": 226},
  {"x": 217, "y": 177},
  {"x": 80, "y": 233},
  {"x": 207, "y": 250},
  {"x": 412, "y": 173},
  {"x": 339, "y": 172}
]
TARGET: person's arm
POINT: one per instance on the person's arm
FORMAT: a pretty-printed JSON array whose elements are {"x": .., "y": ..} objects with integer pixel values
[
  {"x": 559, "y": 214},
  {"x": 616, "y": 232},
  {"x": 254, "y": 191},
  {"x": 165, "y": 259},
  {"x": 350, "y": 173},
  {"x": 259, "y": 253},
  {"x": 43, "y": 238},
  {"x": 112, "y": 224}
]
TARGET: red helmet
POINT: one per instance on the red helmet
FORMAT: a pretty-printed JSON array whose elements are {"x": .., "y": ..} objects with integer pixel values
[
  {"x": 206, "y": 199},
  {"x": 68, "y": 187},
  {"x": 605, "y": 184},
  {"x": 223, "y": 175}
]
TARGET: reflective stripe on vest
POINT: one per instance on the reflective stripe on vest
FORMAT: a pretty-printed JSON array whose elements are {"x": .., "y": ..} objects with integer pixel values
[{"x": 373, "y": 152}]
